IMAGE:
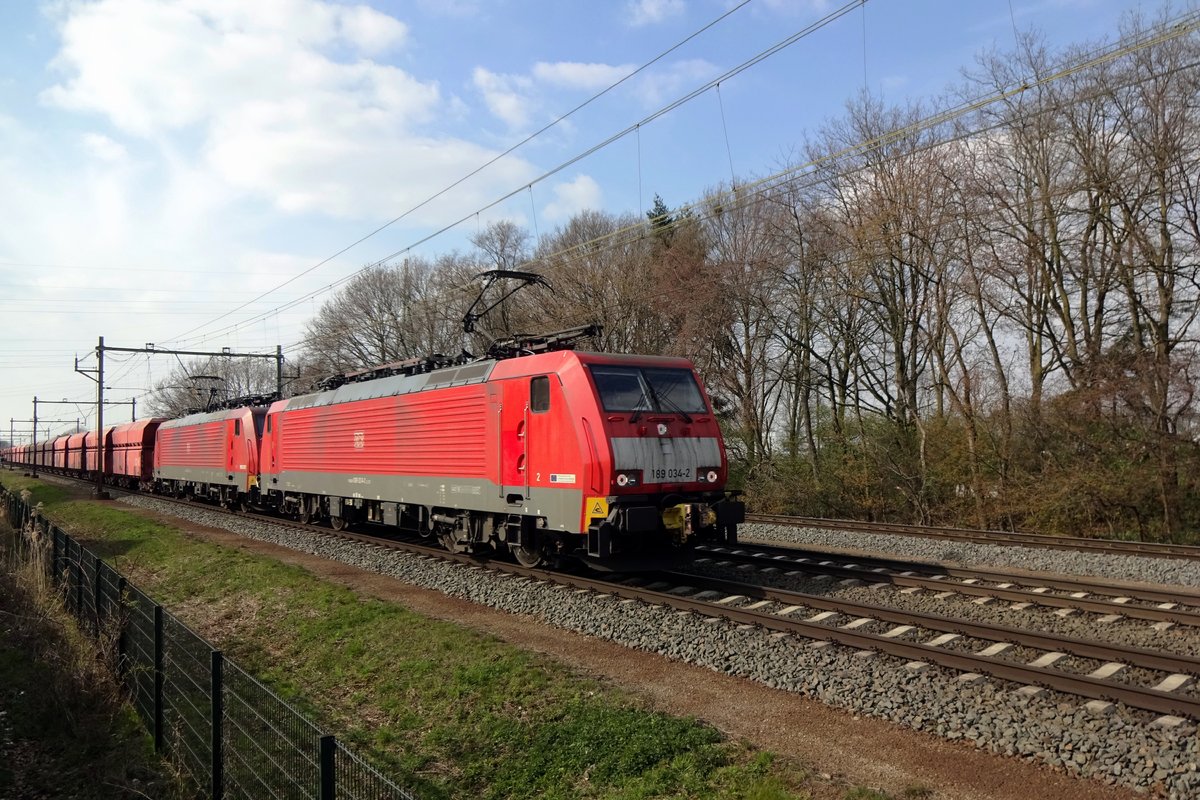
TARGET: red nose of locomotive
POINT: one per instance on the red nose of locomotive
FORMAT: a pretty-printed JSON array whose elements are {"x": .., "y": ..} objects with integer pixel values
[
  {"x": 665, "y": 453},
  {"x": 667, "y": 472}
]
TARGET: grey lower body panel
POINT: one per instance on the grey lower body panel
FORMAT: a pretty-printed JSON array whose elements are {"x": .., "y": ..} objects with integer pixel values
[
  {"x": 561, "y": 508},
  {"x": 209, "y": 475}
]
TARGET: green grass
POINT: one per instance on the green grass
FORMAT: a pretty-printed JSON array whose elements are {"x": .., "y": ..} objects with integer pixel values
[
  {"x": 451, "y": 712},
  {"x": 65, "y": 731}
]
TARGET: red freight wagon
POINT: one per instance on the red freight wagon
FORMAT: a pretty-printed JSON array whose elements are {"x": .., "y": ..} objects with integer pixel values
[
  {"x": 558, "y": 453},
  {"x": 45, "y": 454},
  {"x": 75, "y": 451},
  {"x": 214, "y": 454},
  {"x": 60, "y": 452},
  {"x": 91, "y": 455},
  {"x": 132, "y": 455}
]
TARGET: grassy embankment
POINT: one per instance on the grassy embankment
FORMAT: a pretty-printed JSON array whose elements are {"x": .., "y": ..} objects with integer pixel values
[
  {"x": 450, "y": 712},
  {"x": 65, "y": 730}
]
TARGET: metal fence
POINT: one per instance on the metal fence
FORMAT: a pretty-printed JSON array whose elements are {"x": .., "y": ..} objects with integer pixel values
[{"x": 179, "y": 684}]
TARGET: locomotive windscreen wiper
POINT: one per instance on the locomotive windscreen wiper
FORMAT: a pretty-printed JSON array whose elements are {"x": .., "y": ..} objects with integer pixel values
[
  {"x": 637, "y": 410},
  {"x": 665, "y": 401}
]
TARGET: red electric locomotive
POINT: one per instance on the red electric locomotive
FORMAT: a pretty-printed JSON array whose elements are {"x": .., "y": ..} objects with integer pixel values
[
  {"x": 212, "y": 455},
  {"x": 603, "y": 457}
]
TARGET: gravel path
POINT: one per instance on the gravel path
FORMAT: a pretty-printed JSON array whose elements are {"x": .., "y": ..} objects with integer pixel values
[{"x": 1118, "y": 749}]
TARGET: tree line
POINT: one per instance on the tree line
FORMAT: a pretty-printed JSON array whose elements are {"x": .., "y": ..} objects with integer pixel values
[{"x": 984, "y": 318}]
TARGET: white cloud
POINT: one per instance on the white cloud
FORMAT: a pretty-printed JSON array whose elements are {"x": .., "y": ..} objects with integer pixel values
[
  {"x": 280, "y": 101},
  {"x": 153, "y": 67},
  {"x": 575, "y": 75},
  {"x": 104, "y": 149},
  {"x": 570, "y": 198},
  {"x": 795, "y": 7},
  {"x": 652, "y": 12},
  {"x": 674, "y": 80},
  {"x": 371, "y": 31},
  {"x": 506, "y": 96}
]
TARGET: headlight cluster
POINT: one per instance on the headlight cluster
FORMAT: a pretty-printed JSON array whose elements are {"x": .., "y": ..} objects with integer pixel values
[
  {"x": 628, "y": 477},
  {"x": 707, "y": 475}
]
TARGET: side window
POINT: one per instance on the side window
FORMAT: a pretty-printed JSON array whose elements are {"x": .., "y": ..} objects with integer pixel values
[
  {"x": 268, "y": 424},
  {"x": 237, "y": 427},
  {"x": 539, "y": 394}
]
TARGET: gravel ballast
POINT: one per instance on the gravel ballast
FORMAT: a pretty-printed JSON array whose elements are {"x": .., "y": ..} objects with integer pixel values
[{"x": 1119, "y": 748}]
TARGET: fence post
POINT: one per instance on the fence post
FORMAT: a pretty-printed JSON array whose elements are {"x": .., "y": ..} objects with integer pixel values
[
  {"x": 78, "y": 581},
  {"x": 96, "y": 565},
  {"x": 158, "y": 678},
  {"x": 218, "y": 717},
  {"x": 327, "y": 764},
  {"x": 54, "y": 555},
  {"x": 121, "y": 666}
]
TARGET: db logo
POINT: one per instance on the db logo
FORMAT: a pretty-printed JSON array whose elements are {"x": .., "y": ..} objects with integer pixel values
[
  {"x": 662, "y": 429},
  {"x": 360, "y": 439}
]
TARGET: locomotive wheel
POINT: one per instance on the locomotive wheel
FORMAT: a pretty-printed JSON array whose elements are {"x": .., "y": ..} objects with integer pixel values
[
  {"x": 338, "y": 523},
  {"x": 528, "y": 558},
  {"x": 305, "y": 517}
]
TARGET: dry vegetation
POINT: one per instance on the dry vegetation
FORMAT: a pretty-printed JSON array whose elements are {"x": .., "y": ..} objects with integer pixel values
[{"x": 65, "y": 729}]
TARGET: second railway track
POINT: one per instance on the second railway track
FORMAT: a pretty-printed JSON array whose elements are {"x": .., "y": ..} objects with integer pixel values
[{"x": 1000, "y": 538}]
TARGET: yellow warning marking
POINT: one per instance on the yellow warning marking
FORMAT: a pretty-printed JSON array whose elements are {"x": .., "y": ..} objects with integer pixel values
[{"x": 597, "y": 507}]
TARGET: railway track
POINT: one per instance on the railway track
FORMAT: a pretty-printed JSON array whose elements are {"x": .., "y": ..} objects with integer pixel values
[
  {"x": 1112, "y": 600},
  {"x": 1159, "y": 684},
  {"x": 1152, "y": 549},
  {"x": 844, "y": 622}
]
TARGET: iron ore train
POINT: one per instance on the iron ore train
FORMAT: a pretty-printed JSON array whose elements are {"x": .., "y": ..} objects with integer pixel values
[{"x": 554, "y": 455}]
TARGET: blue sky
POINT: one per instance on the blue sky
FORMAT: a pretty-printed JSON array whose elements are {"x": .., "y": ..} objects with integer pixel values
[{"x": 167, "y": 162}]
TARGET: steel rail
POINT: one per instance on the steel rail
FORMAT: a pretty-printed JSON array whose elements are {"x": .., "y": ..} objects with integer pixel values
[
  {"x": 1133, "y": 656},
  {"x": 1145, "y": 591},
  {"x": 1082, "y": 685},
  {"x": 1152, "y": 549},
  {"x": 1181, "y": 617}
]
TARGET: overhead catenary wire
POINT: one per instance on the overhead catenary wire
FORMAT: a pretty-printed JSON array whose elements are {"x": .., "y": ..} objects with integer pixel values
[
  {"x": 561, "y": 118},
  {"x": 1181, "y": 26},
  {"x": 740, "y": 68},
  {"x": 747, "y": 192},
  {"x": 1184, "y": 27}
]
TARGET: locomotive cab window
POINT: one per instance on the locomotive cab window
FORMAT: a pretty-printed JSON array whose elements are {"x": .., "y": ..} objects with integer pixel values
[
  {"x": 539, "y": 394},
  {"x": 237, "y": 427},
  {"x": 662, "y": 389}
]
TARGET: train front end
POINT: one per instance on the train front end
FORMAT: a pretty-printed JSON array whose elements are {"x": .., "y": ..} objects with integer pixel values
[{"x": 662, "y": 461}]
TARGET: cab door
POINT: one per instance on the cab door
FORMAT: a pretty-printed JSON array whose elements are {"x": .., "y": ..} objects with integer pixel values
[
  {"x": 495, "y": 434},
  {"x": 539, "y": 435},
  {"x": 233, "y": 429},
  {"x": 513, "y": 423}
]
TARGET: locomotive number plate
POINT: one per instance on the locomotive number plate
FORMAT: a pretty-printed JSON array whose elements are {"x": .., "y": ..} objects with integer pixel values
[{"x": 671, "y": 474}]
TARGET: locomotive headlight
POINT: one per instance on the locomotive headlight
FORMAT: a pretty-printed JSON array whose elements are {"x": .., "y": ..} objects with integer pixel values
[
  {"x": 629, "y": 477},
  {"x": 707, "y": 475}
]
